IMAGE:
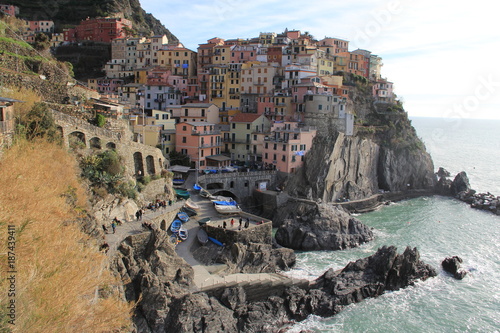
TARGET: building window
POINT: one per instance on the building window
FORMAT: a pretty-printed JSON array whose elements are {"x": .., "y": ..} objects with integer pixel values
[
  {"x": 248, "y": 126},
  {"x": 184, "y": 128},
  {"x": 283, "y": 158},
  {"x": 246, "y": 183},
  {"x": 183, "y": 139}
]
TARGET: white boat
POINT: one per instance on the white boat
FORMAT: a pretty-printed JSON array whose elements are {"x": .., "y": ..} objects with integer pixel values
[
  {"x": 192, "y": 205},
  {"x": 220, "y": 198},
  {"x": 230, "y": 209},
  {"x": 183, "y": 234}
]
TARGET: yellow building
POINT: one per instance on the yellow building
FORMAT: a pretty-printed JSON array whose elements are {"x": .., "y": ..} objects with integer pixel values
[
  {"x": 180, "y": 60},
  {"x": 221, "y": 55},
  {"x": 167, "y": 133}
]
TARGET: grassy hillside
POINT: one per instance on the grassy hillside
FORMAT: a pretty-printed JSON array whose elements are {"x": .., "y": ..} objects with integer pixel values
[{"x": 59, "y": 270}]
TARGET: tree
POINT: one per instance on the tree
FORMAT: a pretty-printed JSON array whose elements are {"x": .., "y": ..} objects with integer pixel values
[{"x": 42, "y": 42}]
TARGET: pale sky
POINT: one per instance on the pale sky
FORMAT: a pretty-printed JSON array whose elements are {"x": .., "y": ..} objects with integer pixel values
[{"x": 442, "y": 55}]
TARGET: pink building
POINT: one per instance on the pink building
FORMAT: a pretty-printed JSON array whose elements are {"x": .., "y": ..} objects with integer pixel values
[
  {"x": 105, "y": 85},
  {"x": 202, "y": 143},
  {"x": 102, "y": 29},
  {"x": 9, "y": 10},
  {"x": 383, "y": 90},
  {"x": 41, "y": 26},
  {"x": 243, "y": 53},
  {"x": 287, "y": 145}
]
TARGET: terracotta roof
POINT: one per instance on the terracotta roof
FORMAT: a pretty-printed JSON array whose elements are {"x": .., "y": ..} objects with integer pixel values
[{"x": 245, "y": 118}]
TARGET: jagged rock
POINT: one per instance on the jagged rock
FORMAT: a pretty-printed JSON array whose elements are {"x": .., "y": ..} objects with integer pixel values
[
  {"x": 452, "y": 266},
  {"x": 233, "y": 298},
  {"x": 460, "y": 183},
  {"x": 321, "y": 227},
  {"x": 153, "y": 276},
  {"x": 247, "y": 258},
  {"x": 443, "y": 186},
  {"x": 110, "y": 207},
  {"x": 199, "y": 313},
  {"x": 442, "y": 172},
  {"x": 368, "y": 277}
]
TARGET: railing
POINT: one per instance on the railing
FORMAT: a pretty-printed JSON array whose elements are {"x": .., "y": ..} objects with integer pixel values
[{"x": 205, "y": 133}]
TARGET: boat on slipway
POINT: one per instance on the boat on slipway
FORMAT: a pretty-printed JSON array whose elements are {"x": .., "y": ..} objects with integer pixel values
[
  {"x": 192, "y": 205},
  {"x": 184, "y": 217},
  {"x": 183, "y": 234},
  {"x": 202, "y": 236},
  {"x": 175, "y": 226},
  {"x": 204, "y": 221}
]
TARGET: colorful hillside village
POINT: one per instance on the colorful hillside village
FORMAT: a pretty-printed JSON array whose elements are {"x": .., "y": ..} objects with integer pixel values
[{"x": 231, "y": 102}]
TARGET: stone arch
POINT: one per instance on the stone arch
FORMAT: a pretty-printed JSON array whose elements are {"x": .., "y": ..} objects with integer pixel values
[
  {"x": 77, "y": 140},
  {"x": 95, "y": 143},
  {"x": 138, "y": 164},
  {"x": 215, "y": 186},
  {"x": 150, "y": 164},
  {"x": 111, "y": 145}
]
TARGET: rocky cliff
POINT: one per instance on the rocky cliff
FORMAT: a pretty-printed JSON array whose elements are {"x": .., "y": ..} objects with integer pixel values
[
  {"x": 385, "y": 153},
  {"x": 71, "y": 12}
]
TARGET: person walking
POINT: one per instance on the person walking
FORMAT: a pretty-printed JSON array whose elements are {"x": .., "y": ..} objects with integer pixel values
[
  {"x": 247, "y": 223},
  {"x": 113, "y": 226},
  {"x": 232, "y": 222}
]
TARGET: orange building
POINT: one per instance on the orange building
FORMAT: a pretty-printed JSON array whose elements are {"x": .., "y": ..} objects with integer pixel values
[{"x": 200, "y": 141}]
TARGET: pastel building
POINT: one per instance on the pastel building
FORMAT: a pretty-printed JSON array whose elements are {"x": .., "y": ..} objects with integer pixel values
[
  {"x": 9, "y": 10},
  {"x": 258, "y": 77},
  {"x": 105, "y": 85},
  {"x": 287, "y": 145},
  {"x": 195, "y": 112},
  {"x": 383, "y": 91},
  {"x": 246, "y": 135},
  {"x": 201, "y": 141}
]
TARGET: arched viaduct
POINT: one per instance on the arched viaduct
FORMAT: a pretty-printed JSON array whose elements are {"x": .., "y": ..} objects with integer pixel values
[
  {"x": 238, "y": 185},
  {"x": 139, "y": 159}
]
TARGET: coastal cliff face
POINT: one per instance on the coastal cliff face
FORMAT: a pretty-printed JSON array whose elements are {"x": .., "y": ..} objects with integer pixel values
[
  {"x": 384, "y": 154},
  {"x": 337, "y": 166}
]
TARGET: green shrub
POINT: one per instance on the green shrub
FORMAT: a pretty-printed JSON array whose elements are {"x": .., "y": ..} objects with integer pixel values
[{"x": 100, "y": 120}]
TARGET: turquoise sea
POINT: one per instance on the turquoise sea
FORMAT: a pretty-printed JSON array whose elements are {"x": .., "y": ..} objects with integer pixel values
[{"x": 438, "y": 227}]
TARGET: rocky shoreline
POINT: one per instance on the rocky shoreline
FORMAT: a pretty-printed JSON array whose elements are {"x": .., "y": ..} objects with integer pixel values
[
  {"x": 161, "y": 284},
  {"x": 460, "y": 189}
]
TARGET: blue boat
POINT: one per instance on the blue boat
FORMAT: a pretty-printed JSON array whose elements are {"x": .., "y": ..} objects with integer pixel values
[
  {"x": 215, "y": 241},
  {"x": 183, "y": 217},
  {"x": 196, "y": 187},
  {"x": 175, "y": 226}
]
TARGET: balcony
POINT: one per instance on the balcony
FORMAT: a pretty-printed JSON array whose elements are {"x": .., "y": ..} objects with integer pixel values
[{"x": 201, "y": 133}]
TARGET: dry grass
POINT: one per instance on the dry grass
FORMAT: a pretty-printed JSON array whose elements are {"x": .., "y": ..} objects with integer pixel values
[
  {"x": 28, "y": 97},
  {"x": 58, "y": 273}
]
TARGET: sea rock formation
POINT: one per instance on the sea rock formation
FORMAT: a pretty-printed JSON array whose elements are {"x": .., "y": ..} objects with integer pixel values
[
  {"x": 452, "y": 266},
  {"x": 460, "y": 189},
  {"x": 154, "y": 276},
  {"x": 368, "y": 277},
  {"x": 320, "y": 227}
]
